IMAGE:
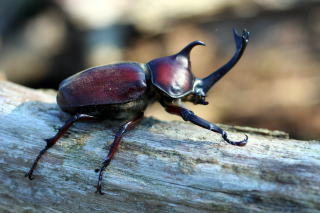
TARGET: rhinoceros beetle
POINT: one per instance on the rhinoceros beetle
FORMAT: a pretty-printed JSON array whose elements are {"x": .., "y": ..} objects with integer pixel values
[{"x": 124, "y": 90}]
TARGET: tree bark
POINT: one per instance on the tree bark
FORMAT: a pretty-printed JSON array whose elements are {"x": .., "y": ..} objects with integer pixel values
[{"x": 160, "y": 166}]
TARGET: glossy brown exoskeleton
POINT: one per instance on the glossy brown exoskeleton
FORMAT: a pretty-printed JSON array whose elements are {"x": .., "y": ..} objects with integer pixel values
[{"x": 124, "y": 90}]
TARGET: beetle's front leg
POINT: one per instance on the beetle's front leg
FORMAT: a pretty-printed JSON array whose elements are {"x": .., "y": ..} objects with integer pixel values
[
  {"x": 114, "y": 146},
  {"x": 188, "y": 115}
]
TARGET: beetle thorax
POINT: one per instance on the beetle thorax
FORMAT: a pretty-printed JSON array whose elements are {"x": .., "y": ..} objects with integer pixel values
[{"x": 171, "y": 75}]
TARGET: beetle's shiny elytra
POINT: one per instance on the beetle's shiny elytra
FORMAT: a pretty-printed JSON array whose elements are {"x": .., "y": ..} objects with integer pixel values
[
  {"x": 104, "y": 85},
  {"x": 124, "y": 90}
]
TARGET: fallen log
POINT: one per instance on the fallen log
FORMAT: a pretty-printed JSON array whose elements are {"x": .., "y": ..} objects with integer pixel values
[{"x": 160, "y": 166}]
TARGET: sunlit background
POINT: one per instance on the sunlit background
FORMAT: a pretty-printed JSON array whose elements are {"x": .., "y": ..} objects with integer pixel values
[{"x": 275, "y": 85}]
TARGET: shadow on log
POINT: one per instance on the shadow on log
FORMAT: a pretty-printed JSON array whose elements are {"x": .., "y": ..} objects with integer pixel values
[{"x": 160, "y": 166}]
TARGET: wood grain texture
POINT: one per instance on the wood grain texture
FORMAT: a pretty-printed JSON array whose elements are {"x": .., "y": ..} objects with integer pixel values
[{"x": 160, "y": 167}]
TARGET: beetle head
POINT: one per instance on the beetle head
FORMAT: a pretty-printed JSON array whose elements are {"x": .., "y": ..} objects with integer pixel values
[{"x": 172, "y": 74}]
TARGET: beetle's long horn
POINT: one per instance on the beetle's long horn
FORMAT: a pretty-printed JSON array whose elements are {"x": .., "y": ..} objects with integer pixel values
[
  {"x": 186, "y": 51},
  {"x": 241, "y": 43}
]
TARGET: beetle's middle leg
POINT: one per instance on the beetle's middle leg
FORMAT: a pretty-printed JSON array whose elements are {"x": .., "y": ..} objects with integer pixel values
[
  {"x": 188, "y": 115},
  {"x": 60, "y": 133},
  {"x": 114, "y": 146}
]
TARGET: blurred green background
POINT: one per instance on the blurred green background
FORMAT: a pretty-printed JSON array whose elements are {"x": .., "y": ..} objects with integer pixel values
[{"x": 275, "y": 85}]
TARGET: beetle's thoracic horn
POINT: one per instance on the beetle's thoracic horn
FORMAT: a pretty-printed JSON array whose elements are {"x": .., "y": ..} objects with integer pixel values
[
  {"x": 241, "y": 43},
  {"x": 186, "y": 50}
]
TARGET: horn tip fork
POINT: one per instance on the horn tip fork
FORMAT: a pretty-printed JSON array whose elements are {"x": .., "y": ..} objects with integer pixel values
[{"x": 244, "y": 36}]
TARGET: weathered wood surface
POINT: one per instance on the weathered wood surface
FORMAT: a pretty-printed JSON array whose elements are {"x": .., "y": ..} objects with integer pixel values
[{"x": 160, "y": 167}]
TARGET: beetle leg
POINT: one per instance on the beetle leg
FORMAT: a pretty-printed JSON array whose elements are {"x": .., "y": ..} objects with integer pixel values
[
  {"x": 188, "y": 115},
  {"x": 53, "y": 140},
  {"x": 114, "y": 146}
]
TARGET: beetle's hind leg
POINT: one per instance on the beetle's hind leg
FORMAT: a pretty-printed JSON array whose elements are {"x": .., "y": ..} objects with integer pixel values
[
  {"x": 188, "y": 115},
  {"x": 114, "y": 146},
  {"x": 53, "y": 140}
]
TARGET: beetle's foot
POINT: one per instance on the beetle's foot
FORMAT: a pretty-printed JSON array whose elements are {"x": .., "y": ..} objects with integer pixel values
[
  {"x": 245, "y": 35},
  {"x": 99, "y": 189},
  {"x": 29, "y": 175},
  {"x": 101, "y": 170},
  {"x": 99, "y": 185},
  {"x": 236, "y": 143}
]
